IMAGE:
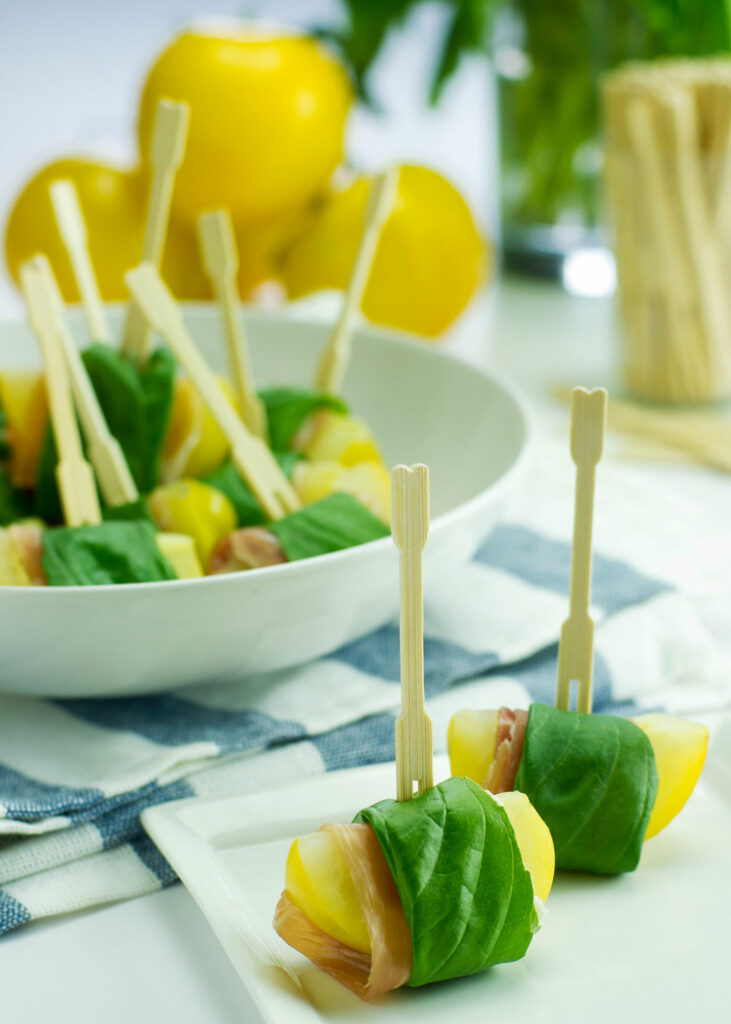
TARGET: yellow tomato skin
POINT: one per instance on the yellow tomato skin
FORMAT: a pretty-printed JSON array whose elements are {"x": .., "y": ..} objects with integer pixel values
[
  {"x": 267, "y": 119},
  {"x": 195, "y": 509},
  {"x": 471, "y": 738},
  {"x": 534, "y": 841},
  {"x": 429, "y": 261},
  {"x": 680, "y": 750},
  {"x": 113, "y": 202},
  {"x": 24, "y": 403},
  {"x": 195, "y": 444}
]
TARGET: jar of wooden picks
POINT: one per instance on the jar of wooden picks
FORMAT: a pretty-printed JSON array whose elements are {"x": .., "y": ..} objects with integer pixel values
[{"x": 668, "y": 179}]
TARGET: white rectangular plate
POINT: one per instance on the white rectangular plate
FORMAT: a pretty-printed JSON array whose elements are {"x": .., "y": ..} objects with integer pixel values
[{"x": 652, "y": 945}]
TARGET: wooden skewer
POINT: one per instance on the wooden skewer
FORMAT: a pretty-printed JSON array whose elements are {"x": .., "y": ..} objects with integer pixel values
[
  {"x": 105, "y": 453},
  {"x": 250, "y": 455},
  {"x": 576, "y": 646},
  {"x": 221, "y": 262},
  {"x": 166, "y": 154},
  {"x": 410, "y": 524},
  {"x": 72, "y": 228},
  {"x": 73, "y": 473},
  {"x": 334, "y": 359}
]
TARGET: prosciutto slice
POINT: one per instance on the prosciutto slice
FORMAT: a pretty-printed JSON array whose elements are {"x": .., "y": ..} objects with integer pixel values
[
  {"x": 509, "y": 743},
  {"x": 388, "y": 965}
]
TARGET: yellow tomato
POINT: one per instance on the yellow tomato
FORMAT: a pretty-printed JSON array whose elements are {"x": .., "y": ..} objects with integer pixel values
[
  {"x": 24, "y": 404},
  {"x": 195, "y": 509},
  {"x": 429, "y": 261},
  {"x": 318, "y": 881},
  {"x": 336, "y": 437},
  {"x": 471, "y": 739},
  {"x": 680, "y": 752},
  {"x": 194, "y": 445},
  {"x": 267, "y": 119},
  {"x": 534, "y": 841},
  {"x": 113, "y": 202}
]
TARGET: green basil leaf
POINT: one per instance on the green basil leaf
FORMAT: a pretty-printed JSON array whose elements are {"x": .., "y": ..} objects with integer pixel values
[
  {"x": 136, "y": 403},
  {"x": 46, "y": 499},
  {"x": 226, "y": 478},
  {"x": 336, "y": 522},
  {"x": 130, "y": 510},
  {"x": 288, "y": 408},
  {"x": 110, "y": 552},
  {"x": 466, "y": 895},
  {"x": 593, "y": 780},
  {"x": 14, "y": 504}
]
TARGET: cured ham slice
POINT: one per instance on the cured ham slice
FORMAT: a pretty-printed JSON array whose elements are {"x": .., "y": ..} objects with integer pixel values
[
  {"x": 509, "y": 743},
  {"x": 388, "y": 965},
  {"x": 250, "y": 548}
]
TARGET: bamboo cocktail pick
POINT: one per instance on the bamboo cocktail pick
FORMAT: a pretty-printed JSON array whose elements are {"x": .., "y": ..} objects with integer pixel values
[
  {"x": 576, "y": 645},
  {"x": 73, "y": 473},
  {"x": 105, "y": 452},
  {"x": 249, "y": 454},
  {"x": 166, "y": 154},
  {"x": 410, "y": 525},
  {"x": 221, "y": 263},
  {"x": 334, "y": 359},
  {"x": 72, "y": 228}
]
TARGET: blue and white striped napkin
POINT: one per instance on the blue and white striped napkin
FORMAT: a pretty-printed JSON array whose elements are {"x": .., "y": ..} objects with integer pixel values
[{"x": 75, "y": 774}]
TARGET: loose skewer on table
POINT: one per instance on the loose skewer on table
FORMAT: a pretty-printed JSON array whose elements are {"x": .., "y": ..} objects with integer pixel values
[
  {"x": 220, "y": 260},
  {"x": 166, "y": 154},
  {"x": 249, "y": 454},
  {"x": 334, "y": 360}
]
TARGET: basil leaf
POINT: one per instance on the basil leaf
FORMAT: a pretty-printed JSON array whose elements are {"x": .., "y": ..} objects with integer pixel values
[
  {"x": 129, "y": 510},
  {"x": 14, "y": 504},
  {"x": 466, "y": 895},
  {"x": 336, "y": 522},
  {"x": 136, "y": 403},
  {"x": 593, "y": 780},
  {"x": 228, "y": 480},
  {"x": 288, "y": 408},
  {"x": 110, "y": 552},
  {"x": 46, "y": 499}
]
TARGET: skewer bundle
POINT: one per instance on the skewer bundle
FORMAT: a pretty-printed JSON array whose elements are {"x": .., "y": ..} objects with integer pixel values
[{"x": 668, "y": 166}]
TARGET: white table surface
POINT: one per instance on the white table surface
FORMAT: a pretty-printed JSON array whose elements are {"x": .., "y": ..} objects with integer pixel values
[{"x": 154, "y": 959}]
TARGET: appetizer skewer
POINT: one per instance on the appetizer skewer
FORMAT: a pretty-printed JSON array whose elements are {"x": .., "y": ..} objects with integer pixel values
[
  {"x": 72, "y": 228},
  {"x": 220, "y": 260},
  {"x": 166, "y": 154},
  {"x": 423, "y": 888},
  {"x": 334, "y": 360},
  {"x": 602, "y": 784}
]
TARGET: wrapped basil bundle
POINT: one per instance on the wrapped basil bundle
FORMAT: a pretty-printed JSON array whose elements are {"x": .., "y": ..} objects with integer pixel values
[
  {"x": 592, "y": 778},
  {"x": 336, "y": 522},
  {"x": 412, "y": 893},
  {"x": 136, "y": 402}
]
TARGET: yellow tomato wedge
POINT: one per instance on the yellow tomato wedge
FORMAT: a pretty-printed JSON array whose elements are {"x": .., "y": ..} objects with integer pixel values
[
  {"x": 194, "y": 444},
  {"x": 195, "y": 509},
  {"x": 23, "y": 401},
  {"x": 337, "y": 437},
  {"x": 369, "y": 482},
  {"x": 180, "y": 551},
  {"x": 471, "y": 743},
  {"x": 319, "y": 883},
  {"x": 680, "y": 751},
  {"x": 12, "y": 571},
  {"x": 534, "y": 840}
]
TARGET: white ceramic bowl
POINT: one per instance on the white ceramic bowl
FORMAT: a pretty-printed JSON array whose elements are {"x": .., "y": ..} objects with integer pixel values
[{"x": 423, "y": 406}]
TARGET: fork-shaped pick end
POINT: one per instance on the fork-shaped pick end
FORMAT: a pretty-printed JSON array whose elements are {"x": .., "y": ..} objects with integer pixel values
[
  {"x": 410, "y": 501},
  {"x": 588, "y": 420}
]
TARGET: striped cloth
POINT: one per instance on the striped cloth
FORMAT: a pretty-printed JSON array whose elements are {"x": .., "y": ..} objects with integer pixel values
[{"x": 75, "y": 774}]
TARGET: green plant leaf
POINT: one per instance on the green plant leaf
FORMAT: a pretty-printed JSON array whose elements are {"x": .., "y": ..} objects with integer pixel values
[
  {"x": 288, "y": 408},
  {"x": 228, "y": 480},
  {"x": 110, "y": 552},
  {"x": 336, "y": 522},
  {"x": 14, "y": 504},
  {"x": 593, "y": 780},
  {"x": 466, "y": 895}
]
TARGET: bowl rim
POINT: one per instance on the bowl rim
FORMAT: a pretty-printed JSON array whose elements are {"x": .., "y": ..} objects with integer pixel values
[{"x": 445, "y": 520}]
